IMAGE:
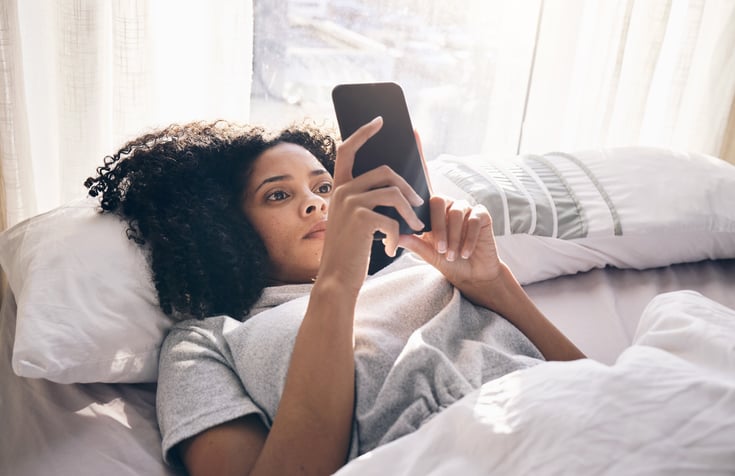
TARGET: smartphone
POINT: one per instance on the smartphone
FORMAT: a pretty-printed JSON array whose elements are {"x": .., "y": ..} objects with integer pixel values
[{"x": 394, "y": 144}]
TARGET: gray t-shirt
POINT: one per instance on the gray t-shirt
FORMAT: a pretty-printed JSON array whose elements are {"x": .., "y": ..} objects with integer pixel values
[{"x": 419, "y": 347}]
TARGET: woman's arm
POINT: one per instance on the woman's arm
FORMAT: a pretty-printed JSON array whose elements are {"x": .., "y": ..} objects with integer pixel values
[
  {"x": 312, "y": 429},
  {"x": 509, "y": 299},
  {"x": 462, "y": 246},
  {"x": 224, "y": 449}
]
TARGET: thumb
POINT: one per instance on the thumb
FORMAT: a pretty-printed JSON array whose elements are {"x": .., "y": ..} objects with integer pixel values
[{"x": 419, "y": 246}]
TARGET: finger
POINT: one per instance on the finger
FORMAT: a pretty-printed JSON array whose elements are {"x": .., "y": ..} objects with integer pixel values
[
  {"x": 418, "y": 142},
  {"x": 347, "y": 149},
  {"x": 423, "y": 160},
  {"x": 438, "y": 209},
  {"x": 388, "y": 197},
  {"x": 455, "y": 228},
  {"x": 476, "y": 220},
  {"x": 390, "y": 229},
  {"x": 420, "y": 246},
  {"x": 382, "y": 177}
]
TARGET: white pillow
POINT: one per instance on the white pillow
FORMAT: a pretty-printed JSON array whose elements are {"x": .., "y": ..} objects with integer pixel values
[
  {"x": 632, "y": 207},
  {"x": 87, "y": 310}
]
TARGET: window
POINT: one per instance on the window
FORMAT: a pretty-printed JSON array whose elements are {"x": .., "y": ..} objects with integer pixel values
[{"x": 443, "y": 54}]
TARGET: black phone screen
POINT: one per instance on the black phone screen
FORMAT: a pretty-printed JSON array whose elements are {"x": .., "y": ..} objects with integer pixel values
[{"x": 394, "y": 145}]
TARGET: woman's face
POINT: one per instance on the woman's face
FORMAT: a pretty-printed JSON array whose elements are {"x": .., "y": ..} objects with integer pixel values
[{"x": 286, "y": 201}]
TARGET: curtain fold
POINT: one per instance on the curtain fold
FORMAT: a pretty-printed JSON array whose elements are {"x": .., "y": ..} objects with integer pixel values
[
  {"x": 81, "y": 77},
  {"x": 632, "y": 73},
  {"x": 17, "y": 194},
  {"x": 728, "y": 146}
]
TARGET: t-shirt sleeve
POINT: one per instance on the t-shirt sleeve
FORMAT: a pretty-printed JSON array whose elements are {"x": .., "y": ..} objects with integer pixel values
[{"x": 197, "y": 388}]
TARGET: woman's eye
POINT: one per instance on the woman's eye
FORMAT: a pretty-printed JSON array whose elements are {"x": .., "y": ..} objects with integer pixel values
[
  {"x": 325, "y": 187},
  {"x": 277, "y": 196}
]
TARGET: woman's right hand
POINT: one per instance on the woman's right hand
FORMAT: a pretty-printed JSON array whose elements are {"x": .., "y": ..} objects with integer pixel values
[
  {"x": 352, "y": 220},
  {"x": 312, "y": 429}
]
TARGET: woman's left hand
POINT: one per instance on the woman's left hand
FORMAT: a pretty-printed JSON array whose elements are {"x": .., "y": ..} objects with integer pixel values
[{"x": 461, "y": 245}]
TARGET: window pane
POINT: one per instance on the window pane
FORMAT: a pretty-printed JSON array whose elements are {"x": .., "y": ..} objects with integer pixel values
[{"x": 443, "y": 54}]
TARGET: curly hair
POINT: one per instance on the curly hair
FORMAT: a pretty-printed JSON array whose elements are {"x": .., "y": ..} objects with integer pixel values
[{"x": 180, "y": 189}]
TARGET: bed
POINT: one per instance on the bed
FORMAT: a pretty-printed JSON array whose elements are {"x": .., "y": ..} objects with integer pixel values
[{"x": 630, "y": 251}]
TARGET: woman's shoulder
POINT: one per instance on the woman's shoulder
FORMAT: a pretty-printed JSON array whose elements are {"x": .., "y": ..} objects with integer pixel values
[
  {"x": 206, "y": 332},
  {"x": 274, "y": 296},
  {"x": 206, "y": 324}
]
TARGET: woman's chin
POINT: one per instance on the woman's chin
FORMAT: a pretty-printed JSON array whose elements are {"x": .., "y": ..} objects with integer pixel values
[{"x": 304, "y": 275}]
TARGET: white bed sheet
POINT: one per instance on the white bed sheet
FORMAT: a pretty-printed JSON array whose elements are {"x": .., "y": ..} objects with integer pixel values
[
  {"x": 599, "y": 310},
  {"x": 665, "y": 407},
  {"x": 95, "y": 429},
  {"x": 79, "y": 429}
]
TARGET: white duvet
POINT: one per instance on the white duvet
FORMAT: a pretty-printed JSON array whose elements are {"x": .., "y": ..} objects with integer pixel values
[{"x": 666, "y": 406}]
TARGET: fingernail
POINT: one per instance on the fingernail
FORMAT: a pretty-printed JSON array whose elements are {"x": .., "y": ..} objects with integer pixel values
[
  {"x": 441, "y": 247},
  {"x": 465, "y": 254},
  {"x": 450, "y": 255},
  {"x": 420, "y": 226},
  {"x": 416, "y": 200}
]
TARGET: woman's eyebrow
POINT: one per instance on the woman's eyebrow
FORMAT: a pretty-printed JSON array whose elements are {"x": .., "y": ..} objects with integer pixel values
[
  {"x": 318, "y": 172},
  {"x": 280, "y": 178},
  {"x": 275, "y": 178}
]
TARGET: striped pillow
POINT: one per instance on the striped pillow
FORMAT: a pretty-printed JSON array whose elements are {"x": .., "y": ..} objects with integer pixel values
[{"x": 633, "y": 207}]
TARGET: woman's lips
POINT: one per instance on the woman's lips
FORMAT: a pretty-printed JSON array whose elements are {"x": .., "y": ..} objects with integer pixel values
[{"x": 317, "y": 231}]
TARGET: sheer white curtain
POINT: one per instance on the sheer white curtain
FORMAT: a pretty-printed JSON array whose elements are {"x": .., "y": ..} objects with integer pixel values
[
  {"x": 79, "y": 77},
  {"x": 609, "y": 73}
]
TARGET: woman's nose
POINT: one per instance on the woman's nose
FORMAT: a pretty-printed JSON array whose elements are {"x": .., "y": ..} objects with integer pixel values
[{"x": 315, "y": 203}]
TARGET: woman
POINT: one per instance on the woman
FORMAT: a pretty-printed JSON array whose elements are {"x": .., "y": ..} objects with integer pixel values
[{"x": 315, "y": 364}]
